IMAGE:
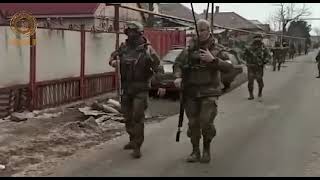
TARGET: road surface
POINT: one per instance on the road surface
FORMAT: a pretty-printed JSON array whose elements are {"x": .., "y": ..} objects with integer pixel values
[{"x": 274, "y": 137}]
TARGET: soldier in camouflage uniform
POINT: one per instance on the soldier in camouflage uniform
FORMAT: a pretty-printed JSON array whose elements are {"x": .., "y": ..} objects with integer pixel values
[
  {"x": 318, "y": 62},
  {"x": 276, "y": 57},
  {"x": 256, "y": 57},
  {"x": 299, "y": 48},
  {"x": 285, "y": 51},
  {"x": 138, "y": 62},
  {"x": 200, "y": 69},
  {"x": 292, "y": 51}
]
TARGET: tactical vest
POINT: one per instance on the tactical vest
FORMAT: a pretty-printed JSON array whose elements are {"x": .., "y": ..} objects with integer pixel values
[
  {"x": 198, "y": 74},
  {"x": 135, "y": 69}
]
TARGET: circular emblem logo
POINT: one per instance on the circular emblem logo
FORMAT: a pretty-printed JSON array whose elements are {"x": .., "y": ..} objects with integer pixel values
[{"x": 23, "y": 23}]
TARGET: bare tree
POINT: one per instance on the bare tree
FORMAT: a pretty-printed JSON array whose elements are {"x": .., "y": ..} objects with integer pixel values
[
  {"x": 274, "y": 24},
  {"x": 290, "y": 12}
]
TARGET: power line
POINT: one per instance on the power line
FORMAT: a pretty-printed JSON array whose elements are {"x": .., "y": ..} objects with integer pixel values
[{"x": 190, "y": 21}]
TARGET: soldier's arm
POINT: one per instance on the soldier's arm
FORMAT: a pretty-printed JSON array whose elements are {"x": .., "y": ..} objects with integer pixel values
[
  {"x": 179, "y": 62},
  {"x": 224, "y": 66},
  {"x": 267, "y": 56},
  {"x": 318, "y": 56},
  {"x": 155, "y": 59},
  {"x": 114, "y": 55},
  {"x": 219, "y": 63}
]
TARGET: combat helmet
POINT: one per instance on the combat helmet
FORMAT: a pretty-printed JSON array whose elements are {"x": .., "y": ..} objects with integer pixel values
[{"x": 134, "y": 25}]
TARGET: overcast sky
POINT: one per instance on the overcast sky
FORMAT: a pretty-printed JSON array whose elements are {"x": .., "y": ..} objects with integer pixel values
[{"x": 258, "y": 11}]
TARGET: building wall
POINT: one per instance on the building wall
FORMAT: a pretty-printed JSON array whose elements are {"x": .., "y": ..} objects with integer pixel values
[
  {"x": 57, "y": 54},
  {"x": 14, "y": 58},
  {"x": 99, "y": 47}
]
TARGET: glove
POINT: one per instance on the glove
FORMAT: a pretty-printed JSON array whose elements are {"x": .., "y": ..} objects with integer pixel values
[
  {"x": 114, "y": 63},
  {"x": 177, "y": 82},
  {"x": 161, "y": 92}
]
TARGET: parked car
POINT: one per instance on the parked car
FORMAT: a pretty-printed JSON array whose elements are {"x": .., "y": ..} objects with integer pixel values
[{"x": 166, "y": 77}]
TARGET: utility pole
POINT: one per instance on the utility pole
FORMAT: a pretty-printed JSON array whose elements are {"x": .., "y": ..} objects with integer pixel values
[{"x": 150, "y": 16}]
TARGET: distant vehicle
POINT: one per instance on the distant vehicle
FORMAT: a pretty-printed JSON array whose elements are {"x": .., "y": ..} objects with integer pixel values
[{"x": 166, "y": 77}]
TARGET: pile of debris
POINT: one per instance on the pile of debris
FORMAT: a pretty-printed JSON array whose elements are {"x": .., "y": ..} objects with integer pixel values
[
  {"x": 43, "y": 114},
  {"x": 105, "y": 114}
]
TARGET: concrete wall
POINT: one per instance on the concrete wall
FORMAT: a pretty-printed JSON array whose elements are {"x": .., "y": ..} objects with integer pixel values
[
  {"x": 57, "y": 54},
  {"x": 14, "y": 58},
  {"x": 65, "y": 22},
  {"x": 99, "y": 47}
]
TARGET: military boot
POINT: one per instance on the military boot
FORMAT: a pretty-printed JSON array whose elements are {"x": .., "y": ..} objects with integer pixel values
[
  {"x": 130, "y": 145},
  {"x": 260, "y": 93},
  {"x": 195, "y": 155},
  {"x": 251, "y": 95},
  {"x": 136, "y": 151},
  {"x": 206, "y": 157}
]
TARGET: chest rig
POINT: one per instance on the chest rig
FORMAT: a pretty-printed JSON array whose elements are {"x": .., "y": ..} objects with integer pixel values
[
  {"x": 198, "y": 73},
  {"x": 135, "y": 67}
]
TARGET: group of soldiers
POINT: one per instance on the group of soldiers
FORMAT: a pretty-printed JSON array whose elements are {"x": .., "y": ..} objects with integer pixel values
[{"x": 197, "y": 70}]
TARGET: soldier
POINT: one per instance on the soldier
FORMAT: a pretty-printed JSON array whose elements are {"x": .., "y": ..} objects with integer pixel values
[
  {"x": 256, "y": 57},
  {"x": 200, "y": 69},
  {"x": 276, "y": 57},
  {"x": 285, "y": 52},
  {"x": 299, "y": 48},
  {"x": 292, "y": 51},
  {"x": 138, "y": 62},
  {"x": 306, "y": 48},
  {"x": 318, "y": 61}
]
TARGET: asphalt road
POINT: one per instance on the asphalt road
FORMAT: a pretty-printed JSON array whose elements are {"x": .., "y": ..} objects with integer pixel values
[{"x": 269, "y": 138}]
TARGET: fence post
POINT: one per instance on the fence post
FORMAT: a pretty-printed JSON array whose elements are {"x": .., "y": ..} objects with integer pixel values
[
  {"x": 116, "y": 28},
  {"x": 82, "y": 64},
  {"x": 32, "y": 77}
]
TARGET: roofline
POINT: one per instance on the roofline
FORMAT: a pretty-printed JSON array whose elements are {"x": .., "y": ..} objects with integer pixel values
[
  {"x": 62, "y": 15},
  {"x": 238, "y": 16},
  {"x": 97, "y": 6},
  {"x": 249, "y": 21}
]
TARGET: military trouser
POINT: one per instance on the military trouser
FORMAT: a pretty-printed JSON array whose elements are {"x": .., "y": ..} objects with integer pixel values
[
  {"x": 133, "y": 107},
  {"x": 319, "y": 68},
  {"x": 291, "y": 55},
  {"x": 276, "y": 61},
  {"x": 201, "y": 113},
  {"x": 255, "y": 73}
]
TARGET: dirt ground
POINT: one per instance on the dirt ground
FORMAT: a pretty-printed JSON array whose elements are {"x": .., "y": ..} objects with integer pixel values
[{"x": 29, "y": 146}]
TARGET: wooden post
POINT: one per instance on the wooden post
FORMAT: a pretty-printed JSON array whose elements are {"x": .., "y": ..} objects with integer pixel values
[
  {"x": 82, "y": 59},
  {"x": 116, "y": 27},
  {"x": 212, "y": 6},
  {"x": 32, "y": 81}
]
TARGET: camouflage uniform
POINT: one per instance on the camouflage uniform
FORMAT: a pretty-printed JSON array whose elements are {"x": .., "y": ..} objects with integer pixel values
[
  {"x": 285, "y": 52},
  {"x": 292, "y": 51},
  {"x": 201, "y": 91},
  {"x": 256, "y": 57},
  {"x": 276, "y": 57},
  {"x": 299, "y": 48},
  {"x": 318, "y": 62},
  {"x": 138, "y": 61}
]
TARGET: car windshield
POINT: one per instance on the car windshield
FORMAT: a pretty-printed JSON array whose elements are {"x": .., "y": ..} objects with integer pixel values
[{"x": 171, "y": 55}]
